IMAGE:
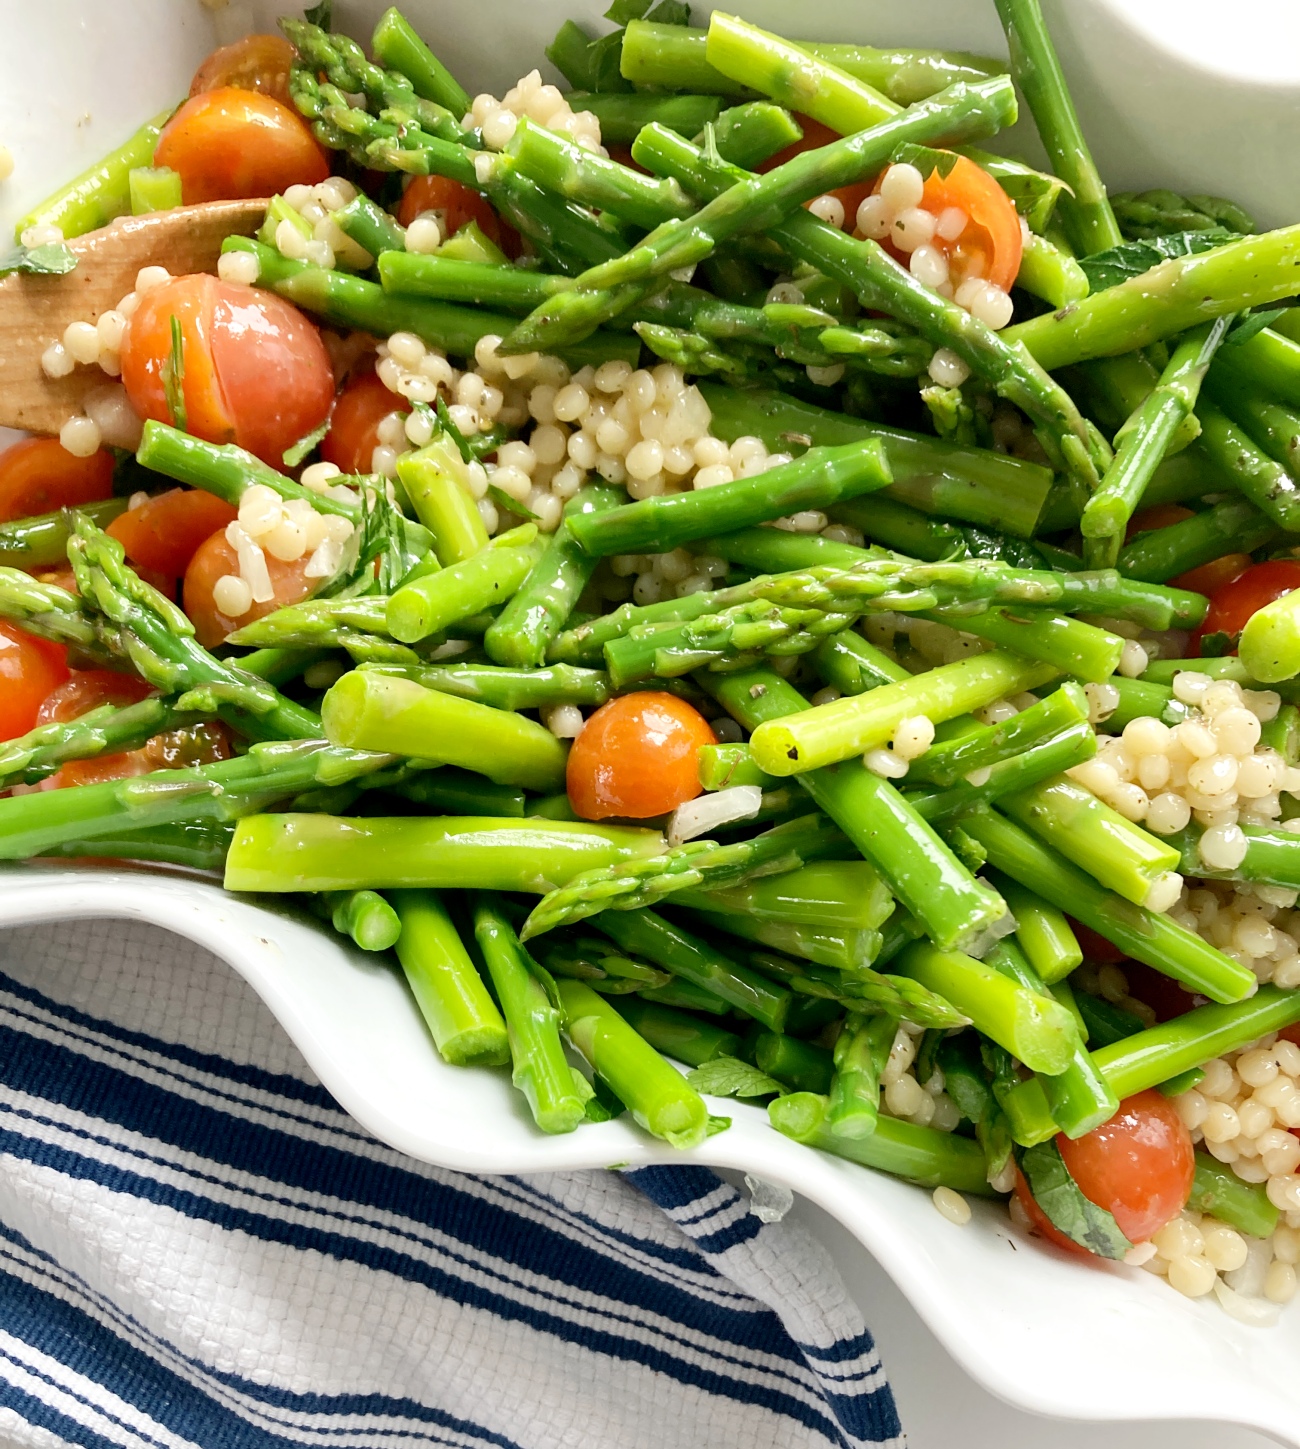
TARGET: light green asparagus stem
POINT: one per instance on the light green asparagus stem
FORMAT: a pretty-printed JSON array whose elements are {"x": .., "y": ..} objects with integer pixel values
[
  {"x": 462, "y": 1018},
  {"x": 540, "y": 1070},
  {"x": 1043, "y": 931},
  {"x": 1218, "y": 1191},
  {"x": 364, "y": 916},
  {"x": 1270, "y": 642},
  {"x": 365, "y": 708},
  {"x": 509, "y": 689},
  {"x": 398, "y": 46},
  {"x": 432, "y": 603},
  {"x": 1050, "y": 273},
  {"x": 861, "y": 1051},
  {"x": 851, "y": 726},
  {"x": 1164, "y": 553},
  {"x": 324, "y": 852},
  {"x": 833, "y": 894},
  {"x": 36, "y": 755},
  {"x": 655, "y": 1093},
  {"x": 686, "y": 1038}
]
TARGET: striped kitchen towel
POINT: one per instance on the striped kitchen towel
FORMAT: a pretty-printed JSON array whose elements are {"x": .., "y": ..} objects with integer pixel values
[{"x": 199, "y": 1247}]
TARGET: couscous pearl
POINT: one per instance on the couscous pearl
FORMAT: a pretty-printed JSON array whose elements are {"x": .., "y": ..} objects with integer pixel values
[
  {"x": 423, "y": 236},
  {"x": 874, "y": 218},
  {"x": 912, "y": 228},
  {"x": 950, "y": 223},
  {"x": 1223, "y": 847},
  {"x": 913, "y": 736},
  {"x": 80, "y": 437},
  {"x": 232, "y": 596},
  {"x": 885, "y": 764},
  {"x": 947, "y": 369},
  {"x": 81, "y": 340},
  {"x": 57, "y": 361},
  {"x": 1192, "y": 1276},
  {"x": 147, "y": 278},
  {"x": 829, "y": 209},
  {"x": 904, "y": 1096},
  {"x": 901, "y": 187},
  {"x": 929, "y": 266},
  {"x": 240, "y": 268}
]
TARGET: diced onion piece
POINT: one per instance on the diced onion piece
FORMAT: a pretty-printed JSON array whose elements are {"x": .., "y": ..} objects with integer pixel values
[{"x": 707, "y": 812}]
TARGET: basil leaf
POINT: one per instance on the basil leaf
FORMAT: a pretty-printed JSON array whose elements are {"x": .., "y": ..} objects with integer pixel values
[
  {"x": 1131, "y": 259},
  {"x": 926, "y": 159},
  {"x": 666, "y": 12},
  {"x": 670, "y": 12},
  {"x": 306, "y": 444},
  {"x": 1068, "y": 1210},
  {"x": 730, "y": 1077},
  {"x": 54, "y": 259}
]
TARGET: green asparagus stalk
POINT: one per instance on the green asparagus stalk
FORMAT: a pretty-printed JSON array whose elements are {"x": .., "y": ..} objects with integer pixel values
[
  {"x": 1048, "y": 272},
  {"x": 675, "y": 1034},
  {"x": 554, "y": 1091},
  {"x": 324, "y": 852},
  {"x": 1262, "y": 479},
  {"x": 645, "y": 934},
  {"x": 925, "y": 876},
  {"x": 1145, "y": 935},
  {"x": 371, "y": 227},
  {"x": 101, "y": 193},
  {"x": 1164, "y": 553},
  {"x": 949, "y": 761},
  {"x": 364, "y": 709},
  {"x": 1269, "y": 361},
  {"x": 1145, "y": 439},
  {"x": 621, "y": 115},
  {"x": 502, "y": 688},
  {"x": 1217, "y": 1190},
  {"x": 696, "y": 864},
  {"x": 432, "y": 603},
  {"x": 920, "y": 1154},
  {"x": 861, "y": 990},
  {"x": 397, "y": 45},
  {"x": 1145, "y": 214},
  {"x": 42, "y": 539},
  {"x": 861, "y": 1051},
  {"x": 363, "y": 916},
  {"x": 844, "y": 948},
  {"x": 853, "y": 725},
  {"x": 1042, "y": 931},
  {"x": 475, "y": 284},
  {"x": 1088, "y": 217},
  {"x": 460, "y": 792},
  {"x": 750, "y": 134},
  {"x": 435, "y": 482},
  {"x": 961, "y": 112},
  {"x": 30, "y": 758},
  {"x": 682, "y": 995},
  {"x": 1065, "y": 645},
  {"x": 819, "y": 478},
  {"x": 1165, "y": 301},
  {"x": 847, "y": 662},
  {"x": 834, "y": 894},
  {"x": 798, "y": 1065},
  {"x": 1272, "y": 857},
  {"x": 1153, "y": 1056},
  {"x": 655, "y": 1093}
]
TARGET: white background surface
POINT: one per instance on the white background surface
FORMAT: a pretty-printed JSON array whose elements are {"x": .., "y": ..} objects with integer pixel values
[{"x": 1178, "y": 92}]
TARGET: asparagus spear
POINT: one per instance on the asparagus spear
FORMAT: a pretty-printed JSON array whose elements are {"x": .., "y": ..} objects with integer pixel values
[
  {"x": 434, "y": 479},
  {"x": 1164, "y": 553},
  {"x": 450, "y": 791},
  {"x": 844, "y": 948},
  {"x": 397, "y": 45},
  {"x": 697, "y": 863},
  {"x": 32, "y": 757},
  {"x": 645, "y": 934},
  {"x": 753, "y": 133},
  {"x": 847, "y": 662},
  {"x": 655, "y": 1093},
  {"x": 1270, "y": 642},
  {"x": 1145, "y": 935},
  {"x": 880, "y": 284},
  {"x": 508, "y": 689},
  {"x": 1145, "y": 438},
  {"x": 862, "y": 989},
  {"x": 556, "y": 1094},
  {"x": 622, "y": 115},
  {"x": 1272, "y": 857},
  {"x": 949, "y": 761},
  {"x": 819, "y": 478},
  {"x": 850, "y": 726},
  {"x": 961, "y": 111},
  {"x": 834, "y": 894},
  {"x": 957, "y": 910},
  {"x": 1166, "y": 300},
  {"x": 1065, "y": 645},
  {"x": 1051, "y": 273},
  {"x": 1089, "y": 219},
  {"x": 371, "y": 227},
  {"x": 920, "y": 1154},
  {"x": 42, "y": 539},
  {"x": 363, "y": 916},
  {"x": 433, "y": 602},
  {"x": 678, "y": 1035},
  {"x": 1150, "y": 1057},
  {"x": 1042, "y": 931},
  {"x": 798, "y": 1065},
  {"x": 1217, "y": 1190},
  {"x": 861, "y": 1051},
  {"x": 324, "y": 852}
]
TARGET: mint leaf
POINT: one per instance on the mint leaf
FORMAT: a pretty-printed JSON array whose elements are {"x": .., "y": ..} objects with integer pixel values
[
  {"x": 926, "y": 159},
  {"x": 306, "y": 444},
  {"x": 1131, "y": 259},
  {"x": 55, "y": 259},
  {"x": 512, "y": 505},
  {"x": 730, "y": 1077},
  {"x": 1068, "y": 1210},
  {"x": 173, "y": 378}
]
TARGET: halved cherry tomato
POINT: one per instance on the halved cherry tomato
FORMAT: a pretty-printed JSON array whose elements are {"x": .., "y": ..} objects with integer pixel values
[
  {"x": 1159, "y": 515},
  {"x": 256, "y": 63},
  {"x": 1211, "y": 577},
  {"x": 230, "y": 143},
  {"x": 213, "y": 560},
  {"x": 636, "y": 757},
  {"x": 255, "y": 369},
  {"x": 38, "y": 475},
  {"x": 1138, "y": 1166},
  {"x": 1292, "y": 1034},
  {"x": 164, "y": 533},
  {"x": 354, "y": 424},
  {"x": 1235, "y": 602},
  {"x": 457, "y": 204},
  {"x": 87, "y": 689},
  {"x": 815, "y": 136},
  {"x": 29, "y": 669},
  {"x": 991, "y": 242}
]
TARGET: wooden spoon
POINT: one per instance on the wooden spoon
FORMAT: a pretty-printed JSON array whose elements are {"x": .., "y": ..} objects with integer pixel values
[{"x": 34, "y": 310}]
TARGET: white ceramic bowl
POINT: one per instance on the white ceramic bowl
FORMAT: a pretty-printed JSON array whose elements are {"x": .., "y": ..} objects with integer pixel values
[{"x": 1168, "y": 98}]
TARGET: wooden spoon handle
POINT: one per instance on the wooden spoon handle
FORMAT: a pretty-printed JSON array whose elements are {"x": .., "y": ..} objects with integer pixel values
[{"x": 34, "y": 310}]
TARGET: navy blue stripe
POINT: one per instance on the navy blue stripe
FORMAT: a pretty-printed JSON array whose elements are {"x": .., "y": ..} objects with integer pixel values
[
  {"x": 768, "y": 1336},
  {"x": 59, "y": 1075},
  {"x": 34, "y": 1411},
  {"x": 741, "y": 1231}
]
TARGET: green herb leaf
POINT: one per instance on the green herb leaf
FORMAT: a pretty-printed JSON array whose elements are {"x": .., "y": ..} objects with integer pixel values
[
  {"x": 1034, "y": 194},
  {"x": 503, "y": 500},
  {"x": 1144, "y": 214},
  {"x": 730, "y": 1077},
  {"x": 322, "y": 14},
  {"x": 306, "y": 444},
  {"x": 55, "y": 259},
  {"x": 1061, "y": 1198},
  {"x": 450, "y": 428},
  {"x": 1131, "y": 259},
  {"x": 958, "y": 1060},
  {"x": 173, "y": 378},
  {"x": 670, "y": 12},
  {"x": 926, "y": 159},
  {"x": 1249, "y": 324},
  {"x": 603, "y": 1105}
]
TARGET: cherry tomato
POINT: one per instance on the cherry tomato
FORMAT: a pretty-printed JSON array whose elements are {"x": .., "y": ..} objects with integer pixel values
[
  {"x": 815, "y": 135},
  {"x": 1159, "y": 515},
  {"x": 1233, "y": 604},
  {"x": 1211, "y": 577},
  {"x": 255, "y": 63},
  {"x": 213, "y": 560},
  {"x": 87, "y": 689},
  {"x": 164, "y": 533},
  {"x": 1138, "y": 1166},
  {"x": 38, "y": 475},
  {"x": 30, "y": 668},
  {"x": 354, "y": 424},
  {"x": 230, "y": 143},
  {"x": 1292, "y": 1034},
  {"x": 255, "y": 369},
  {"x": 457, "y": 204},
  {"x": 636, "y": 757},
  {"x": 991, "y": 243},
  {"x": 1165, "y": 996}
]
